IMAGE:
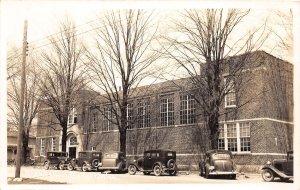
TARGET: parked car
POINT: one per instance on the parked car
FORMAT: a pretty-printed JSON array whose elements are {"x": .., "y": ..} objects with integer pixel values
[
  {"x": 86, "y": 161},
  {"x": 282, "y": 168},
  {"x": 113, "y": 161},
  {"x": 56, "y": 159},
  {"x": 218, "y": 163},
  {"x": 157, "y": 161}
]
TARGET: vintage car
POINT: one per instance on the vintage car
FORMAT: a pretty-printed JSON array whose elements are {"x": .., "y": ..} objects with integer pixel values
[
  {"x": 218, "y": 163},
  {"x": 157, "y": 161},
  {"x": 282, "y": 168},
  {"x": 56, "y": 159},
  {"x": 86, "y": 161},
  {"x": 113, "y": 161}
]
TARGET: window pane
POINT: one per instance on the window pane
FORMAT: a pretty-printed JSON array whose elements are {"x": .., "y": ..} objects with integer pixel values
[
  {"x": 231, "y": 130},
  {"x": 221, "y": 144},
  {"x": 245, "y": 144},
  {"x": 232, "y": 145},
  {"x": 244, "y": 129}
]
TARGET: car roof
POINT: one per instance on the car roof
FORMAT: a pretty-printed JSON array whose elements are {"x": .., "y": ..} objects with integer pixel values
[
  {"x": 159, "y": 150},
  {"x": 218, "y": 151},
  {"x": 91, "y": 151}
]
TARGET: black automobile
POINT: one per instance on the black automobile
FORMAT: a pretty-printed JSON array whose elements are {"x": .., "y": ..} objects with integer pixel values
[
  {"x": 114, "y": 162},
  {"x": 56, "y": 159},
  {"x": 282, "y": 168},
  {"x": 86, "y": 161},
  {"x": 157, "y": 161},
  {"x": 218, "y": 163}
]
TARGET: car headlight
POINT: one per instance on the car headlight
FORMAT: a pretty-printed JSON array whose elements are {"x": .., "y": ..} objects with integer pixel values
[
  {"x": 62, "y": 161},
  {"x": 268, "y": 162},
  {"x": 211, "y": 167}
]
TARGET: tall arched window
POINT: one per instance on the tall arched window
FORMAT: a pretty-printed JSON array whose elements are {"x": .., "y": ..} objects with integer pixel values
[{"x": 73, "y": 140}]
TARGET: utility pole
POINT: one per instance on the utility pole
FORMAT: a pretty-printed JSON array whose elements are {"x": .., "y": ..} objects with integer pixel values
[{"x": 21, "y": 104}]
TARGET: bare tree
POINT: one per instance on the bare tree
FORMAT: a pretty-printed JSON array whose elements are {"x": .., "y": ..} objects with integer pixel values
[
  {"x": 121, "y": 60},
  {"x": 31, "y": 100},
  {"x": 62, "y": 74},
  {"x": 202, "y": 49}
]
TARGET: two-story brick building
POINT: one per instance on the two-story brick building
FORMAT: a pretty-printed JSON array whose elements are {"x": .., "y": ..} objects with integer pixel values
[{"x": 256, "y": 123}]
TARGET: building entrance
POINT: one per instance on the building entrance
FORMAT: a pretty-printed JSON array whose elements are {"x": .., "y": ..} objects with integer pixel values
[{"x": 72, "y": 152}]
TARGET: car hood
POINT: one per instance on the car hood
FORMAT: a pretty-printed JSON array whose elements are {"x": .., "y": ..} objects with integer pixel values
[{"x": 223, "y": 165}]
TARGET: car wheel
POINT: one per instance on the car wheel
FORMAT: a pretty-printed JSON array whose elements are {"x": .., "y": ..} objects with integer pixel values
[
  {"x": 46, "y": 165},
  {"x": 132, "y": 169},
  {"x": 172, "y": 172},
  {"x": 84, "y": 167},
  {"x": 70, "y": 167},
  {"x": 60, "y": 166},
  {"x": 146, "y": 173},
  {"x": 157, "y": 170},
  {"x": 267, "y": 175}
]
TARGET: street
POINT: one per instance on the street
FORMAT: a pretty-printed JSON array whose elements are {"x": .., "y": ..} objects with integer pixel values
[{"x": 78, "y": 177}]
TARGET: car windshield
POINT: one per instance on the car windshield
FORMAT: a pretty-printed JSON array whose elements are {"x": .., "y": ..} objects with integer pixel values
[
  {"x": 96, "y": 154},
  {"x": 169, "y": 154},
  {"x": 111, "y": 155},
  {"x": 220, "y": 156},
  {"x": 83, "y": 154}
]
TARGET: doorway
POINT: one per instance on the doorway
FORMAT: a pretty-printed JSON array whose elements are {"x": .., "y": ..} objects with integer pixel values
[{"x": 72, "y": 152}]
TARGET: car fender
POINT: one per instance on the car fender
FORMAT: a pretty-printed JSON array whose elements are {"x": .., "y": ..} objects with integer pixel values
[
  {"x": 136, "y": 165},
  {"x": 157, "y": 163},
  {"x": 275, "y": 171}
]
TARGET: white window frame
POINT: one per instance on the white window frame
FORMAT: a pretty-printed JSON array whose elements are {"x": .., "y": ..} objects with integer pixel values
[
  {"x": 143, "y": 113},
  {"x": 93, "y": 148},
  {"x": 169, "y": 99},
  {"x": 53, "y": 144},
  {"x": 107, "y": 120},
  {"x": 231, "y": 91},
  {"x": 43, "y": 147},
  {"x": 94, "y": 123},
  {"x": 72, "y": 116},
  {"x": 190, "y": 109},
  {"x": 129, "y": 115},
  {"x": 238, "y": 137}
]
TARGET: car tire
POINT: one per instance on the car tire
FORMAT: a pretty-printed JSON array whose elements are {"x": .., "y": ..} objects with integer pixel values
[
  {"x": 70, "y": 167},
  {"x": 61, "y": 166},
  {"x": 46, "y": 165},
  {"x": 172, "y": 172},
  {"x": 267, "y": 175},
  {"x": 84, "y": 167},
  {"x": 157, "y": 170},
  {"x": 132, "y": 169}
]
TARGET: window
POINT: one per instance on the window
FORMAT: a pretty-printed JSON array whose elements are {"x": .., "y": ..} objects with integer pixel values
[
  {"x": 129, "y": 114},
  {"x": 73, "y": 140},
  {"x": 107, "y": 119},
  {"x": 43, "y": 142},
  {"x": 167, "y": 110},
  {"x": 187, "y": 109},
  {"x": 53, "y": 144},
  {"x": 221, "y": 140},
  {"x": 94, "y": 122},
  {"x": 72, "y": 119},
  {"x": 245, "y": 136},
  {"x": 93, "y": 148},
  {"x": 235, "y": 137},
  {"x": 143, "y": 113},
  {"x": 230, "y": 98}
]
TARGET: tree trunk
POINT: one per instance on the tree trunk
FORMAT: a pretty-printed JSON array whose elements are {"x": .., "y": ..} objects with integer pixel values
[
  {"x": 64, "y": 137},
  {"x": 213, "y": 124},
  {"x": 25, "y": 146},
  {"x": 123, "y": 140}
]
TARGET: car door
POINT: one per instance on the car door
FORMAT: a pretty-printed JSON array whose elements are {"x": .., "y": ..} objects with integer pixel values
[{"x": 148, "y": 161}]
